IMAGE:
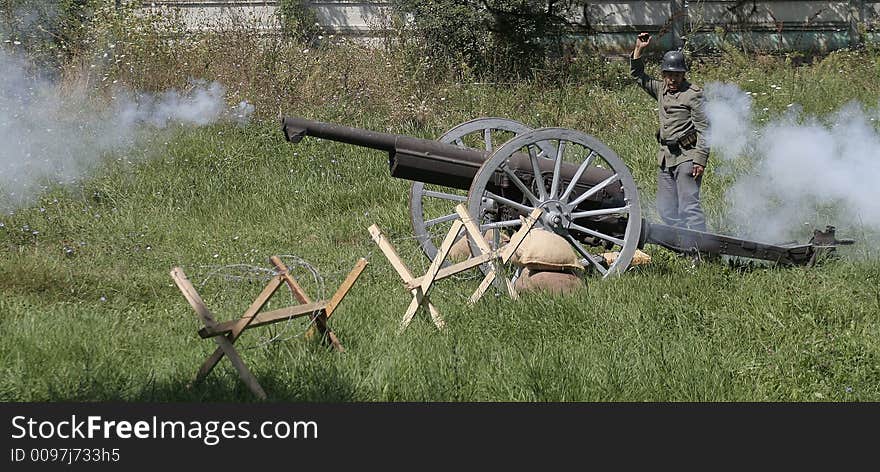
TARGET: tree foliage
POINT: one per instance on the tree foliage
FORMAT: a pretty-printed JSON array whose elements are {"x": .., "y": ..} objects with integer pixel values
[
  {"x": 298, "y": 21},
  {"x": 51, "y": 31},
  {"x": 498, "y": 38}
]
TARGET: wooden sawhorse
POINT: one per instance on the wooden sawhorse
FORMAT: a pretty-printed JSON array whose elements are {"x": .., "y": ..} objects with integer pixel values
[
  {"x": 226, "y": 333},
  {"x": 421, "y": 286}
]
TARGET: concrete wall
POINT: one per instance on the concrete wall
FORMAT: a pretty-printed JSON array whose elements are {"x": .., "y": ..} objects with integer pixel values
[
  {"x": 345, "y": 17},
  {"x": 768, "y": 25}
]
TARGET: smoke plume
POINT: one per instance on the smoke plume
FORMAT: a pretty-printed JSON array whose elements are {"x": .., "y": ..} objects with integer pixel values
[
  {"x": 795, "y": 173},
  {"x": 49, "y": 138}
]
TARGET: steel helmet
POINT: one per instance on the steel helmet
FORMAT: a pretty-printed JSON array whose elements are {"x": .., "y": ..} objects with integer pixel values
[{"x": 673, "y": 61}]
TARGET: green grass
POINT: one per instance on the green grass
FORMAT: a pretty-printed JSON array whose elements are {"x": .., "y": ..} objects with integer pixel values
[{"x": 105, "y": 321}]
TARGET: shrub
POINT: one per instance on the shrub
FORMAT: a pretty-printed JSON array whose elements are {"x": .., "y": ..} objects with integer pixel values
[
  {"x": 298, "y": 21},
  {"x": 51, "y": 32},
  {"x": 491, "y": 38}
]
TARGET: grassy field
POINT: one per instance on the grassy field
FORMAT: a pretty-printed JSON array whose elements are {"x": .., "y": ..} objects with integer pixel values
[{"x": 89, "y": 311}]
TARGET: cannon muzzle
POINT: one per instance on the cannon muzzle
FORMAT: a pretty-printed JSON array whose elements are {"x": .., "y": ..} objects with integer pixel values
[{"x": 297, "y": 128}]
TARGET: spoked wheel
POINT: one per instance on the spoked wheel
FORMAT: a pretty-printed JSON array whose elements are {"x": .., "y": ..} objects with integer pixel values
[
  {"x": 587, "y": 193},
  {"x": 432, "y": 207}
]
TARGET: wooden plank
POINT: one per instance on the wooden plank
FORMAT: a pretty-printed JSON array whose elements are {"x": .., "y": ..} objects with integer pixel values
[
  {"x": 239, "y": 326},
  {"x": 390, "y": 253},
  {"x": 487, "y": 281},
  {"x": 346, "y": 285},
  {"x": 297, "y": 290},
  {"x": 294, "y": 286},
  {"x": 192, "y": 296},
  {"x": 428, "y": 278},
  {"x": 202, "y": 312},
  {"x": 246, "y": 376},
  {"x": 511, "y": 290},
  {"x": 321, "y": 320},
  {"x": 505, "y": 253},
  {"x": 435, "y": 316},
  {"x": 472, "y": 228},
  {"x": 255, "y": 307},
  {"x": 417, "y": 301},
  {"x": 454, "y": 269},
  {"x": 479, "y": 240},
  {"x": 431, "y": 274},
  {"x": 484, "y": 285},
  {"x": 518, "y": 237},
  {"x": 320, "y": 325},
  {"x": 266, "y": 318},
  {"x": 223, "y": 344},
  {"x": 404, "y": 273}
]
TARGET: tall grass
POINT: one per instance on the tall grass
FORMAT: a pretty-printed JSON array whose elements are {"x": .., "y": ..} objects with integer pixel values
[{"x": 89, "y": 311}]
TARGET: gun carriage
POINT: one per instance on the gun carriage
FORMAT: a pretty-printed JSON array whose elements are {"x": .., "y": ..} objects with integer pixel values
[{"x": 586, "y": 191}]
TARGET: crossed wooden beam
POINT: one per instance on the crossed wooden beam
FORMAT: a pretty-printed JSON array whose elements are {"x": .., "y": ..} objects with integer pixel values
[
  {"x": 420, "y": 287},
  {"x": 226, "y": 333}
]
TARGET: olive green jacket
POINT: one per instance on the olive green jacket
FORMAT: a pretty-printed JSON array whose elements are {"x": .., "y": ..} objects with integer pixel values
[{"x": 679, "y": 112}]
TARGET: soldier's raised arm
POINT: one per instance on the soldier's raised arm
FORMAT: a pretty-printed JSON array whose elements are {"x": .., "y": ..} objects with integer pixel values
[{"x": 637, "y": 66}]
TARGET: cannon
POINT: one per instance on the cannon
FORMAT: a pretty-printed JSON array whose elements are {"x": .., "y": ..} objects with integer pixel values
[{"x": 502, "y": 169}]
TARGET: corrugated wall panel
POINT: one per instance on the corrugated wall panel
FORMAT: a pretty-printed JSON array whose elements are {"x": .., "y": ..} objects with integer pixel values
[{"x": 768, "y": 25}]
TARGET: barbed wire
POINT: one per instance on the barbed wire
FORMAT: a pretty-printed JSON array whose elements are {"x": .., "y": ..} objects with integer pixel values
[{"x": 252, "y": 273}]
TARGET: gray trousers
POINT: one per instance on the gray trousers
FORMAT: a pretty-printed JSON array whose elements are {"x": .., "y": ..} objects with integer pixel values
[{"x": 678, "y": 197}]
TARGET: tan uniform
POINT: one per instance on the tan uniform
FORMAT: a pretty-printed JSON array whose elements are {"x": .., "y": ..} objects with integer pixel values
[{"x": 680, "y": 113}]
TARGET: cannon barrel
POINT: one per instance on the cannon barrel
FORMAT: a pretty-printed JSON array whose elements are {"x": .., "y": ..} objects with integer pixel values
[
  {"x": 433, "y": 162},
  {"x": 409, "y": 158}
]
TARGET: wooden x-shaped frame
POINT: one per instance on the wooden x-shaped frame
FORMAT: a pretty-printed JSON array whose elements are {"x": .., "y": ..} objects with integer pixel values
[
  {"x": 420, "y": 287},
  {"x": 225, "y": 334}
]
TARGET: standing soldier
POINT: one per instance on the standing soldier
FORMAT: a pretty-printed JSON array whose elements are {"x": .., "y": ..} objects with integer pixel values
[{"x": 682, "y": 137}]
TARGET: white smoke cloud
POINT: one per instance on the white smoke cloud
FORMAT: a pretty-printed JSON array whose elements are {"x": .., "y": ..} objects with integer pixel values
[
  {"x": 730, "y": 113},
  {"x": 795, "y": 173},
  {"x": 48, "y": 138}
]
